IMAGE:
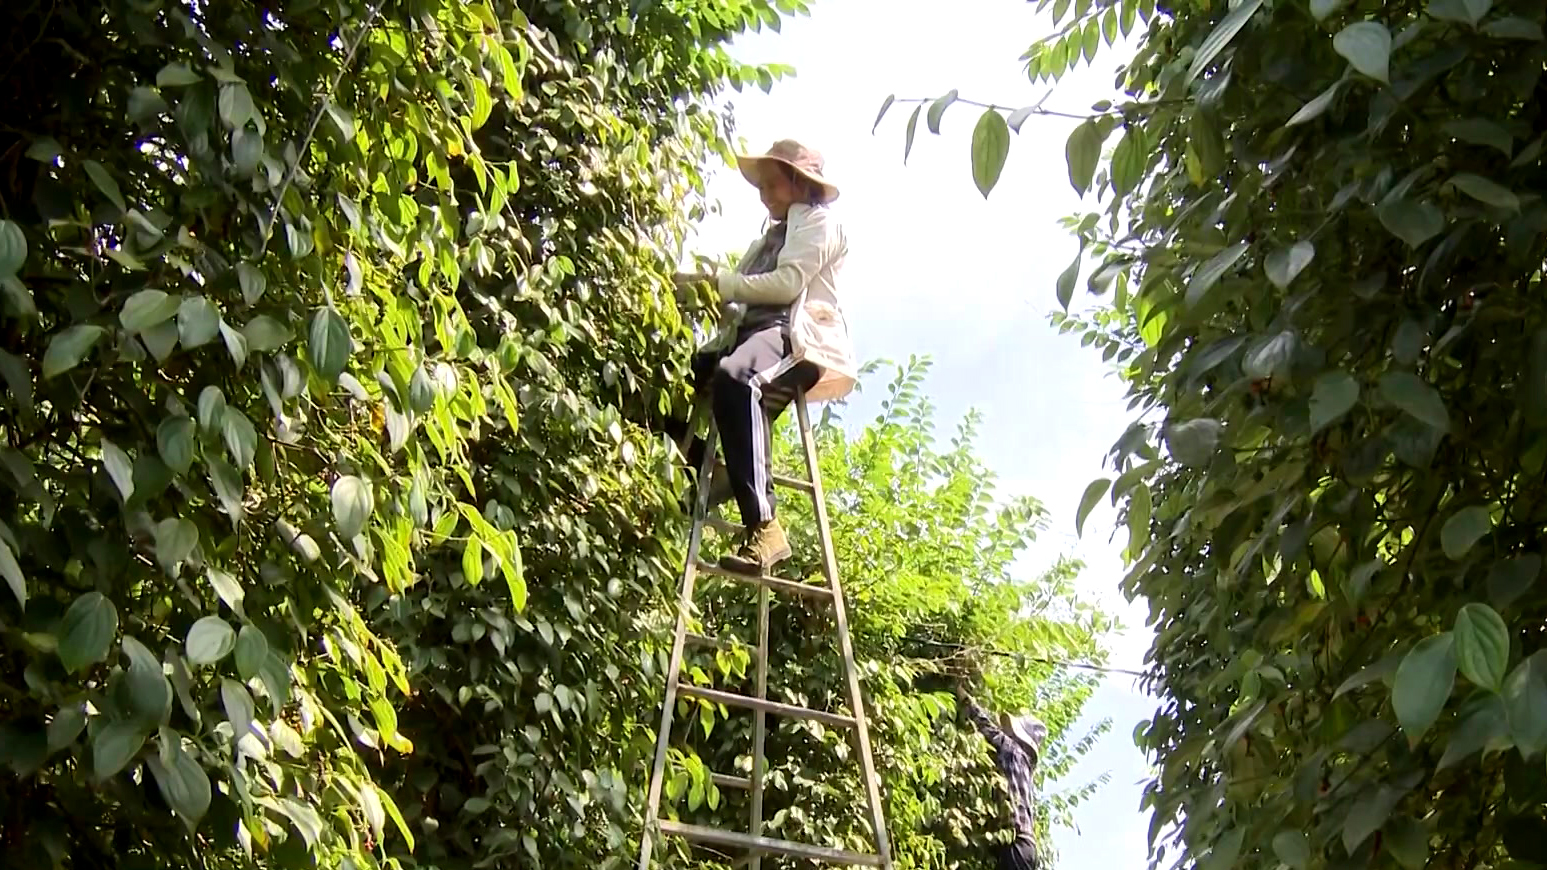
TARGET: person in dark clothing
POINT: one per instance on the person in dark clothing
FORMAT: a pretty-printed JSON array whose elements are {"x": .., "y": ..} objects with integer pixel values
[
  {"x": 1017, "y": 743},
  {"x": 791, "y": 336}
]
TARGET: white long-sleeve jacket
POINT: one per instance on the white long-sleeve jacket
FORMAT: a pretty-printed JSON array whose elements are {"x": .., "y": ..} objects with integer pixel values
[{"x": 806, "y": 279}]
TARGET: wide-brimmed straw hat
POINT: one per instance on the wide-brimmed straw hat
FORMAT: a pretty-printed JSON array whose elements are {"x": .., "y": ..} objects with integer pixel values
[
  {"x": 806, "y": 162},
  {"x": 1029, "y": 731}
]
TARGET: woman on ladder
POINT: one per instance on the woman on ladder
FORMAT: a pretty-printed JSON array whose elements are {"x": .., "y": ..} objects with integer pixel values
[{"x": 791, "y": 336}]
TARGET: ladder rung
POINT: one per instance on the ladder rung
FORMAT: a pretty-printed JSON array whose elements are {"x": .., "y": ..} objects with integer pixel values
[
  {"x": 837, "y": 720},
  {"x": 716, "y": 643},
  {"x": 725, "y": 780},
  {"x": 783, "y": 480},
  {"x": 725, "y": 527},
  {"x": 717, "y": 837},
  {"x": 775, "y": 583}
]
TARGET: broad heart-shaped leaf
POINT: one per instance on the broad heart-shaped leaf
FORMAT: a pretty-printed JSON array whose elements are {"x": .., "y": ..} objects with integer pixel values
[
  {"x": 1367, "y": 814},
  {"x": 1208, "y": 274},
  {"x": 328, "y": 344},
  {"x": 103, "y": 180},
  {"x": 228, "y": 588},
  {"x": 1285, "y": 264},
  {"x": 114, "y": 746},
  {"x": 1416, "y": 398},
  {"x": 86, "y": 632},
  {"x": 1221, "y": 36},
  {"x": 240, "y": 436},
  {"x": 252, "y": 650},
  {"x": 1316, "y": 106},
  {"x": 1510, "y": 578},
  {"x": 229, "y": 489},
  {"x": 212, "y": 408},
  {"x": 1292, "y": 848},
  {"x": 1320, "y": 9},
  {"x": 1194, "y": 442},
  {"x": 119, "y": 467},
  {"x": 209, "y": 640},
  {"x": 1464, "y": 529},
  {"x": 176, "y": 539},
  {"x": 1082, "y": 152},
  {"x": 1366, "y": 45},
  {"x": 10, "y": 569},
  {"x": 66, "y": 726},
  {"x": 239, "y": 707},
  {"x": 1525, "y": 705},
  {"x": 1093, "y": 494},
  {"x": 1270, "y": 357},
  {"x": 352, "y": 505},
  {"x": 1334, "y": 395},
  {"x": 1482, "y": 645},
  {"x": 68, "y": 348},
  {"x": 1486, "y": 191},
  {"x": 149, "y": 693},
  {"x": 264, "y": 334},
  {"x": 1423, "y": 684},
  {"x": 1407, "y": 841},
  {"x": 183, "y": 783},
  {"x": 1412, "y": 222},
  {"x": 148, "y": 308},
  {"x": 175, "y": 441},
  {"x": 13, "y": 249},
  {"x": 198, "y": 322},
  {"x": 1511, "y": 27},
  {"x": 252, "y": 281},
  {"x": 1483, "y": 723},
  {"x": 990, "y": 149}
]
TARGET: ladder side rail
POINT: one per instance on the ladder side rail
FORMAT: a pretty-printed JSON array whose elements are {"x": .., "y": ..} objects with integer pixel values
[
  {"x": 684, "y": 607},
  {"x": 759, "y": 723},
  {"x": 840, "y": 616}
]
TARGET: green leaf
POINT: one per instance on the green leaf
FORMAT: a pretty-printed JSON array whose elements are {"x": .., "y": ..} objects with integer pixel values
[
  {"x": 1366, "y": 816},
  {"x": 990, "y": 149},
  {"x": 119, "y": 467},
  {"x": 1093, "y": 493},
  {"x": 212, "y": 409},
  {"x": 104, "y": 182},
  {"x": 175, "y": 75},
  {"x": 1270, "y": 357},
  {"x": 68, "y": 348},
  {"x": 1511, "y": 578},
  {"x": 198, "y": 322},
  {"x": 227, "y": 588},
  {"x": 885, "y": 106},
  {"x": 353, "y": 502},
  {"x": 937, "y": 110},
  {"x": 913, "y": 126},
  {"x": 252, "y": 282},
  {"x": 148, "y": 308},
  {"x": 1423, "y": 684},
  {"x": 1513, "y": 28},
  {"x": 1413, "y": 396},
  {"x": 1483, "y": 726},
  {"x": 1412, "y": 222},
  {"x": 1140, "y": 505},
  {"x": 1482, "y": 644},
  {"x": 1210, "y": 273},
  {"x": 1407, "y": 841},
  {"x": 237, "y": 702},
  {"x": 1222, "y": 35},
  {"x": 1380, "y": 670},
  {"x": 229, "y": 488},
  {"x": 13, "y": 249},
  {"x": 1366, "y": 45},
  {"x": 328, "y": 344},
  {"x": 209, "y": 640},
  {"x": 174, "y": 441},
  {"x": 66, "y": 726},
  {"x": 11, "y": 571},
  {"x": 395, "y": 814},
  {"x": 252, "y": 650},
  {"x": 86, "y": 632},
  {"x": 264, "y": 334},
  {"x": 1485, "y": 191},
  {"x": 1334, "y": 395},
  {"x": 1321, "y": 9},
  {"x": 149, "y": 693},
  {"x": 1067, "y": 281},
  {"x": 1481, "y": 131},
  {"x": 1194, "y": 442},
  {"x": 1082, "y": 151},
  {"x": 183, "y": 783},
  {"x": 240, "y": 436},
  {"x": 1316, "y": 106},
  {"x": 1463, "y": 530},
  {"x": 176, "y": 539},
  {"x": 1285, "y": 264},
  {"x": 305, "y": 819},
  {"x": 236, "y": 106},
  {"x": 1292, "y": 848},
  {"x": 114, "y": 746},
  {"x": 1467, "y": 12},
  {"x": 1525, "y": 706},
  {"x": 472, "y": 561}
]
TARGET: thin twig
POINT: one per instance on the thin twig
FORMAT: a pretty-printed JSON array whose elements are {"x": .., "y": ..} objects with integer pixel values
[
  {"x": 1119, "y": 111},
  {"x": 968, "y": 650}
]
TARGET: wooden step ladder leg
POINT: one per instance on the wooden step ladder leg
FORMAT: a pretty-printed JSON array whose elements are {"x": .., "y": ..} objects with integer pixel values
[
  {"x": 846, "y": 646},
  {"x": 684, "y": 607},
  {"x": 759, "y": 723}
]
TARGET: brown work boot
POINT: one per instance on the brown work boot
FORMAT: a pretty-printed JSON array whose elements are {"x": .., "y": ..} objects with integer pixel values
[{"x": 764, "y": 547}]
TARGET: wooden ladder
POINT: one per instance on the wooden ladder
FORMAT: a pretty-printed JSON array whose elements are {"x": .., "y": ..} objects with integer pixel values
[{"x": 753, "y": 842}]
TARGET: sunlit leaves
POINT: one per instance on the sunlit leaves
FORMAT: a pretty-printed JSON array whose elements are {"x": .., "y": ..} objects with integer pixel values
[
  {"x": 352, "y": 505},
  {"x": 209, "y": 640},
  {"x": 1082, "y": 152}
]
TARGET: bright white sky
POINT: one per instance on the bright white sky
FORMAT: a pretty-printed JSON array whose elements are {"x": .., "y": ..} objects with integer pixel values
[{"x": 935, "y": 270}]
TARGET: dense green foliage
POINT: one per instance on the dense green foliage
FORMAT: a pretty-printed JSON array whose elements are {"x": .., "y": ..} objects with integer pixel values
[
  {"x": 328, "y": 533},
  {"x": 1323, "y": 241}
]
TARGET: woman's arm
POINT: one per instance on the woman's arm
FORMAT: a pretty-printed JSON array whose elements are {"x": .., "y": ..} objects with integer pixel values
[
  {"x": 985, "y": 724},
  {"x": 807, "y": 247}
]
